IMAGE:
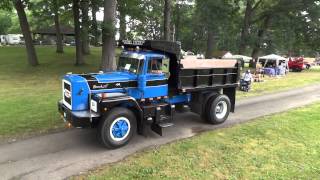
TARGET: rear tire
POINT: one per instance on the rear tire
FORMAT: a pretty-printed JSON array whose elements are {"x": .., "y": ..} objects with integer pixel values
[
  {"x": 117, "y": 128},
  {"x": 218, "y": 109}
]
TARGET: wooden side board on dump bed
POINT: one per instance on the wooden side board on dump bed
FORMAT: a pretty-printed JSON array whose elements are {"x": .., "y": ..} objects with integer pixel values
[{"x": 198, "y": 74}]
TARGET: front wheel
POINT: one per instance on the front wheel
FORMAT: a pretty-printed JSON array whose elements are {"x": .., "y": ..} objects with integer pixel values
[
  {"x": 218, "y": 109},
  {"x": 117, "y": 128}
]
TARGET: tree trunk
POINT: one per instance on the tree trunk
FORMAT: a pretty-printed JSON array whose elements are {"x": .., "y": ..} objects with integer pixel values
[
  {"x": 85, "y": 27},
  {"x": 210, "y": 45},
  {"x": 167, "y": 19},
  {"x": 177, "y": 22},
  {"x": 245, "y": 28},
  {"x": 95, "y": 32},
  {"x": 24, "y": 25},
  {"x": 261, "y": 33},
  {"x": 57, "y": 26},
  {"x": 122, "y": 19},
  {"x": 77, "y": 31},
  {"x": 108, "y": 36}
]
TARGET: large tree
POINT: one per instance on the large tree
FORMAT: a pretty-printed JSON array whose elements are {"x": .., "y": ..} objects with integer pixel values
[
  {"x": 211, "y": 15},
  {"x": 108, "y": 35},
  {"x": 128, "y": 12},
  {"x": 57, "y": 26},
  {"x": 122, "y": 9},
  {"x": 94, "y": 23},
  {"x": 251, "y": 7},
  {"x": 46, "y": 13},
  {"x": 268, "y": 15},
  {"x": 19, "y": 5},
  {"x": 167, "y": 19},
  {"x": 77, "y": 31},
  {"x": 85, "y": 24},
  {"x": 146, "y": 19}
]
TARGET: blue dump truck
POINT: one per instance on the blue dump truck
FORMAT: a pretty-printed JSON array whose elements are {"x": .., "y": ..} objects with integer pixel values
[{"x": 151, "y": 81}]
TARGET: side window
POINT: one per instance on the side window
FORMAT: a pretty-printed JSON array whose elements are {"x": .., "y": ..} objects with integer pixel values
[
  {"x": 155, "y": 66},
  {"x": 159, "y": 66}
]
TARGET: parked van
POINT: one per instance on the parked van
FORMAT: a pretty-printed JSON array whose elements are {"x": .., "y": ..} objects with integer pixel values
[{"x": 13, "y": 39}]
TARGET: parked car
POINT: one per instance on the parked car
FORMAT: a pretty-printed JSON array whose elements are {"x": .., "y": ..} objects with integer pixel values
[{"x": 297, "y": 64}]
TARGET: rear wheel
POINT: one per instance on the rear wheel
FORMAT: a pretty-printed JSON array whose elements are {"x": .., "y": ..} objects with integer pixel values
[
  {"x": 218, "y": 109},
  {"x": 117, "y": 128}
]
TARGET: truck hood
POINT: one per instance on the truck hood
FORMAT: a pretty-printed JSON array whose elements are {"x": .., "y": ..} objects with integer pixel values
[
  {"x": 112, "y": 80},
  {"x": 114, "y": 77},
  {"x": 79, "y": 86}
]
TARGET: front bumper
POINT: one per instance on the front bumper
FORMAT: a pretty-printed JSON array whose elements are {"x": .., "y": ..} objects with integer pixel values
[{"x": 77, "y": 118}]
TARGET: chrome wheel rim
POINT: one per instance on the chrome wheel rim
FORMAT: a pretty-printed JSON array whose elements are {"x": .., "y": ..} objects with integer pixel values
[{"x": 221, "y": 109}]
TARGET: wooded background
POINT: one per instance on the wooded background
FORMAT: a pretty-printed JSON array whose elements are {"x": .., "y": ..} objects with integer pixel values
[{"x": 248, "y": 27}]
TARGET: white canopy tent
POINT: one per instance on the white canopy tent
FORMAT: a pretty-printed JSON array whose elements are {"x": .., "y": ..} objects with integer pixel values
[
  {"x": 274, "y": 64},
  {"x": 273, "y": 59}
]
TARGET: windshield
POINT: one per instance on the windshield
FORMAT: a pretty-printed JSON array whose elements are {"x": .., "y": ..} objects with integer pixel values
[{"x": 128, "y": 64}]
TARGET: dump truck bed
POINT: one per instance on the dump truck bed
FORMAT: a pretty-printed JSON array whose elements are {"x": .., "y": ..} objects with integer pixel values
[{"x": 198, "y": 74}]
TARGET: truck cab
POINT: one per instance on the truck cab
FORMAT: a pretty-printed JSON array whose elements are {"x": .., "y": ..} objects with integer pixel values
[{"x": 150, "y": 82}]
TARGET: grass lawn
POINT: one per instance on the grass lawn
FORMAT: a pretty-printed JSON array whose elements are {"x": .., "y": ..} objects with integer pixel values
[
  {"x": 29, "y": 95},
  {"x": 283, "y": 146}
]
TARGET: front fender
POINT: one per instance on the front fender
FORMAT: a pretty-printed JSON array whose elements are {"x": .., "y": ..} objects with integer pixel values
[{"x": 124, "y": 101}]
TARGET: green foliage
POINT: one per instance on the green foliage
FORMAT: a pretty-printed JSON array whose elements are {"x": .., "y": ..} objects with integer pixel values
[
  {"x": 42, "y": 13},
  {"x": 5, "y": 22},
  {"x": 15, "y": 25},
  {"x": 221, "y": 18},
  {"x": 290, "y": 31},
  {"x": 5, "y": 5},
  {"x": 146, "y": 19}
]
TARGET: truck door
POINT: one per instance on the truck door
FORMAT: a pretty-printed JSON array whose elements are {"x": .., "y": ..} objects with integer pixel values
[{"x": 157, "y": 77}]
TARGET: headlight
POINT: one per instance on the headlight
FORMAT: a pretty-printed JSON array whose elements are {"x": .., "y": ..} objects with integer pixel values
[{"x": 94, "y": 106}]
